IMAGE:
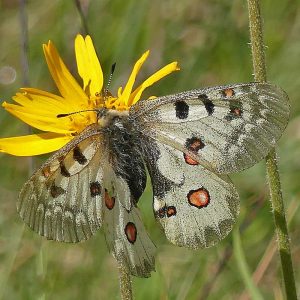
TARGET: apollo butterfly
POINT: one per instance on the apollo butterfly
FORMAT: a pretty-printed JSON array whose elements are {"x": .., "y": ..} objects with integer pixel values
[{"x": 188, "y": 142}]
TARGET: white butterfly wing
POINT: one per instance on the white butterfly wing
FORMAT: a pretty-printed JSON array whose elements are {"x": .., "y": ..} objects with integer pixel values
[
  {"x": 196, "y": 207},
  {"x": 76, "y": 191},
  {"x": 125, "y": 233},
  {"x": 63, "y": 199},
  {"x": 225, "y": 129}
]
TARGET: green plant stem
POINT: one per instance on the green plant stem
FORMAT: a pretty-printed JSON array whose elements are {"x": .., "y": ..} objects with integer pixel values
[
  {"x": 82, "y": 16},
  {"x": 243, "y": 267},
  {"x": 125, "y": 284},
  {"x": 260, "y": 74}
]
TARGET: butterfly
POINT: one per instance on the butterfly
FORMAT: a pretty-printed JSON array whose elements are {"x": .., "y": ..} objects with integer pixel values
[{"x": 188, "y": 142}]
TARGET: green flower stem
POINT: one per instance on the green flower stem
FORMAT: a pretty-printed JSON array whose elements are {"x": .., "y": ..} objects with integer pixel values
[
  {"x": 125, "y": 284},
  {"x": 82, "y": 16},
  {"x": 283, "y": 243},
  {"x": 243, "y": 267}
]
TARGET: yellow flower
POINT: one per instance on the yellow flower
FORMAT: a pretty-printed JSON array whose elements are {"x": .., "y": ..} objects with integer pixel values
[{"x": 39, "y": 109}]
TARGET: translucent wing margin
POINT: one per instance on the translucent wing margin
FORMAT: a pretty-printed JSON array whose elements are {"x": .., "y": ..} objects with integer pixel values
[
  {"x": 63, "y": 199},
  {"x": 225, "y": 129}
]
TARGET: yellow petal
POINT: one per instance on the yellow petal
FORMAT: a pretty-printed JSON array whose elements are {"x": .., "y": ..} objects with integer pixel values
[
  {"x": 37, "y": 105},
  {"x": 34, "y": 144},
  {"x": 32, "y": 111},
  {"x": 30, "y": 97},
  {"x": 136, "y": 95},
  {"x": 128, "y": 88},
  {"x": 67, "y": 85},
  {"x": 39, "y": 98},
  {"x": 43, "y": 122},
  {"x": 88, "y": 65}
]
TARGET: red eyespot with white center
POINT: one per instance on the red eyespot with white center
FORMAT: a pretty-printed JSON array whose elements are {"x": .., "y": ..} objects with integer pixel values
[{"x": 199, "y": 198}]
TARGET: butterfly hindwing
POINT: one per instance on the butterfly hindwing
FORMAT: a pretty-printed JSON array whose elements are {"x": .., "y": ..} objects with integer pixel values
[
  {"x": 195, "y": 206},
  {"x": 63, "y": 199},
  {"x": 125, "y": 233},
  {"x": 225, "y": 128}
]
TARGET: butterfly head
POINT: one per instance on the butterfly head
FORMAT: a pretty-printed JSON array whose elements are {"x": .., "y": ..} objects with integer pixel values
[{"x": 105, "y": 116}]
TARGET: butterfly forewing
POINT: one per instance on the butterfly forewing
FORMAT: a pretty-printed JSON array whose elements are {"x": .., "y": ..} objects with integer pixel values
[
  {"x": 226, "y": 128},
  {"x": 63, "y": 199}
]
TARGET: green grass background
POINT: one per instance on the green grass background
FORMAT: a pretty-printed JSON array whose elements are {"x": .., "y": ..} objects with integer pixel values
[{"x": 210, "y": 40}]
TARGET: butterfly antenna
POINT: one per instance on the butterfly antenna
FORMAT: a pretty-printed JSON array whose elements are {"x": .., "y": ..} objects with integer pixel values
[
  {"x": 104, "y": 96},
  {"x": 112, "y": 70},
  {"x": 73, "y": 113}
]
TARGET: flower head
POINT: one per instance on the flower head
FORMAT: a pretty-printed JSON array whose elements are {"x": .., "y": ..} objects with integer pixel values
[{"x": 40, "y": 109}]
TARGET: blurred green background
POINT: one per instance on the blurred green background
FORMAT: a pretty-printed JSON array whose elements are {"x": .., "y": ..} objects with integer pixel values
[{"x": 211, "y": 42}]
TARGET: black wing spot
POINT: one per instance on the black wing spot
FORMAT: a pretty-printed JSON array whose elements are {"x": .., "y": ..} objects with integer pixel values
[
  {"x": 171, "y": 211},
  {"x": 95, "y": 189},
  {"x": 78, "y": 156},
  {"x": 182, "y": 109},
  {"x": 209, "y": 106},
  {"x": 161, "y": 212},
  {"x": 56, "y": 191},
  {"x": 63, "y": 170},
  {"x": 236, "y": 111},
  {"x": 194, "y": 144},
  {"x": 164, "y": 211}
]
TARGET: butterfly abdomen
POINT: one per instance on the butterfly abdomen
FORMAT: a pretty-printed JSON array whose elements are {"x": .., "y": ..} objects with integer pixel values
[{"x": 125, "y": 155}]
